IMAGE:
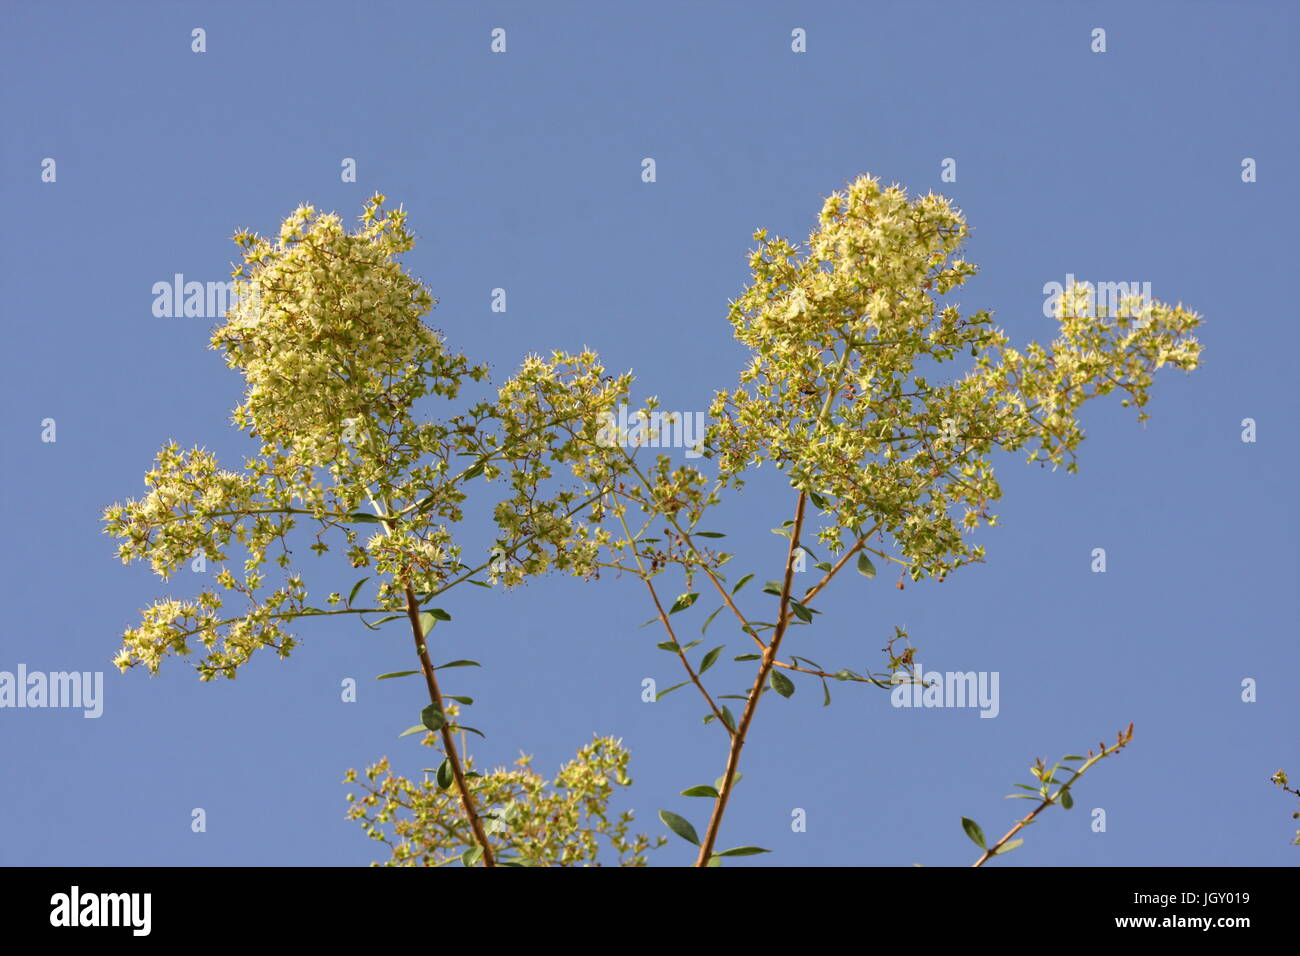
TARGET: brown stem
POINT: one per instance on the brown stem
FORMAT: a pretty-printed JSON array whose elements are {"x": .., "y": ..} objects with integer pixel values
[
  {"x": 751, "y": 705},
  {"x": 1122, "y": 740},
  {"x": 663, "y": 616},
  {"x": 448, "y": 742}
]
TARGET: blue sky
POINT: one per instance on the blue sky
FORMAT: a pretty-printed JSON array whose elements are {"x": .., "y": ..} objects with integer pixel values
[{"x": 522, "y": 171}]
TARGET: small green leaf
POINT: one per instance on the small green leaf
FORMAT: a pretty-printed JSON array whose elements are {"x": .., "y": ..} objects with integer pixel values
[
  {"x": 396, "y": 674},
  {"x": 772, "y": 587},
  {"x": 467, "y": 701},
  {"x": 826, "y": 693},
  {"x": 1008, "y": 847},
  {"x": 703, "y": 790},
  {"x": 471, "y": 856},
  {"x": 439, "y": 613},
  {"x": 744, "y": 851},
  {"x": 427, "y": 622},
  {"x": 820, "y": 502},
  {"x": 445, "y": 776},
  {"x": 710, "y": 618},
  {"x": 355, "y": 588},
  {"x": 443, "y": 667},
  {"x": 1067, "y": 801},
  {"x": 364, "y": 517},
  {"x": 470, "y": 730},
  {"x": 664, "y": 693},
  {"x": 432, "y": 718},
  {"x": 709, "y": 534},
  {"x": 741, "y": 583},
  {"x": 1071, "y": 757},
  {"x": 727, "y": 719},
  {"x": 668, "y": 646},
  {"x": 974, "y": 832},
  {"x": 717, "y": 784},
  {"x": 780, "y": 683},
  {"x": 417, "y": 729},
  {"x": 747, "y": 657},
  {"x": 683, "y": 602},
  {"x": 801, "y": 612},
  {"x": 680, "y": 826},
  {"x": 865, "y": 567},
  {"x": 710, "y": 657},
  {"x": 474, "y": 472}
]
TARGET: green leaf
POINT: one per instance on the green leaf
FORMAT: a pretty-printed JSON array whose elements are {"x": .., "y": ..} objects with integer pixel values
[
  {"x": 772, "y": 587},
  {"x": 664, "y": 693},
  {"x": 710, "y": 618},
  {"x": 780, "y": 683},
  {"x": 801, "y": 612},
  {"x": 417, "y": 729},
  {"x": 710, "y": 657},
  {"x": 826, "y": 693},
  {"x": 823, "y": 566},
  {"x": 820, "y": 502},
  {"x": 741, "y": 583},
  {"x": 727, "y": 719},
  {"x": 355, "y": 588},
  {"x": 432, "y": 717},
  {"x": 747, "y": 657},
  {"x": 382, "y": 620},
  {"x": 1008, "y": 847},
  {"x": 1067, "y": 801},
  {"x": 683, "y": 602},
  {"x": 439, "y": 613},
  {"x": 668, "y": 646},
  {"x": 396, "y": 674},
  {"x": 467, "y": 701},
  {"x": 427, "y": 622},
  {"x": 445, "y": 776},
  {"x": 709, "y": 534},
  {"x": 743, "y": 851},
  {"x": 1071, "y": 757},
  {"x": 703, "y": 790},
  {"x": 717, "y": 784},
  {"x": 974, "y": 832},
  {"x": 474, "y": 472},
  {"x": 443, "y": 667},
  {"x": 364, "y": 517},
  {"x": 469, "y": 730},
  {"x": 680, "y": 826},
  {"x": 865, "y": 567},
  {"x": 471, "y": 856}
]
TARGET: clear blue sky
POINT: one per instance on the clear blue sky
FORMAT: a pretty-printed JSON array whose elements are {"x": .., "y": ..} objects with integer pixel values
[{"x": 522, "y": 171}]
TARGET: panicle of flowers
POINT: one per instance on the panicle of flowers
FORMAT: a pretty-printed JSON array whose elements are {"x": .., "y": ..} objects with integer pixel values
[{"x": 566, "y": 821}]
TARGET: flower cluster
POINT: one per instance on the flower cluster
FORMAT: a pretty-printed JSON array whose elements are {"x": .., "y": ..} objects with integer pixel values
[
  {"x": 532, "y": 821},
  {"x": 846, "y": 338}
]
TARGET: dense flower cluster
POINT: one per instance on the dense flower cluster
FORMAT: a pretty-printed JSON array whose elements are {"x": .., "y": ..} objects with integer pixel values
[
  {"x": 846, "y": 340},
  {"x": 533, "y": 821}
]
